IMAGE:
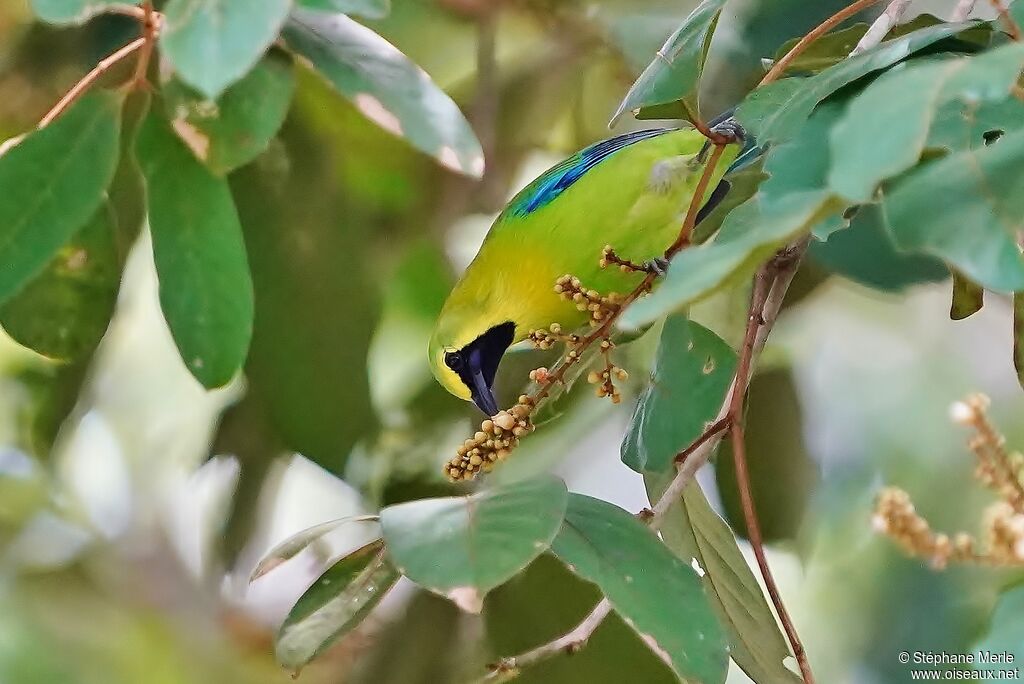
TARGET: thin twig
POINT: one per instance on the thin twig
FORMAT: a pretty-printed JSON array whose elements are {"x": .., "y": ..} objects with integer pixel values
[
  {"x": 690, "y": 220},
  {"x": 570, "y": 642},
  {"x": 149, "y": 31},
  {"x": 763, "y": 283},
  {"x": 83, "y": 85},
  {"x": 962, "y": 10},
  {"x": 824, "y": 27},
  {"x": 882, "y": 25},
  {"x": 1008, "y": 21}
]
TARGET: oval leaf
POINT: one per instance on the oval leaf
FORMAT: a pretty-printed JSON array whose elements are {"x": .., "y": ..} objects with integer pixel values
[
  {"x": 674, "y": 75},
  {"x": 294, "y": 545},
  {"x": 776, "y": 112},
  {"x": 464, "y": 546},
  {"x": 213, "y": 43},
  {"x": 64, "y": 312},
  {"x": 334, "y": 604},
  {"x": 885, "y": 128},
  {"x": 657, "y": 594},
  {"x": 205, "y": 288},
  {"x": 697, "y": 535},
  {"x": 386, "y": 87},
  {"x": 370, "y": 9},
  {"x": 236, "y": 128},
  {"x": 53, "y": 182},
  {"x": 980, "y": 188},
  {"x": 691, "y": 377}
]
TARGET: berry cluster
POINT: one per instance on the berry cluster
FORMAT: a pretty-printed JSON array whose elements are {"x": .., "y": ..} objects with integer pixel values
[
  {"x": 605, "y": 379},
  {"x": 495, "y": 440},
  {"x": 600, "y": 306}
]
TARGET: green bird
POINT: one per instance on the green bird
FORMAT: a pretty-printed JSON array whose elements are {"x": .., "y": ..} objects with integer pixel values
[{"x": 631, "y": 191}]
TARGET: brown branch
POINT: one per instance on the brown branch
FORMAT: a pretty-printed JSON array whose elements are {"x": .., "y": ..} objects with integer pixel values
[
  {"x": 690, "y": 220},
  {"x": 824, "y": 27},
  {"x": 1008, "y": 21},
  {"x": 763, "y": 283},
  {"x": 83, "y": 85},
  {"x": 570, "y": 642},
  {"x": 150, "y": 23}
]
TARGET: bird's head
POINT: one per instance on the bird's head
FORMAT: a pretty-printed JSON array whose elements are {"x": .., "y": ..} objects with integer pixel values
[{"x": 464, "y": 356}]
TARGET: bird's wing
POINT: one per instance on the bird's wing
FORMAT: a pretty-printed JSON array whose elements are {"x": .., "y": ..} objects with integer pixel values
[{"x": 557, "y": 179}]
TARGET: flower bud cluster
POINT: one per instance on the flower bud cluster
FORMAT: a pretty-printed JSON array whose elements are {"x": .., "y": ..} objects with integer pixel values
[
  {"x": 605, "y": 379},
  {"x": 546, "y": 339},
  {"x": 495, "y": 440},
  {"x": 599, "y": 306}
]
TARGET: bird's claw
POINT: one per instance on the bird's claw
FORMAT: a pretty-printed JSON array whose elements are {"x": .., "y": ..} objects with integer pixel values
[
  {"x": 729, "y": 130},
  {"x": 658, "y": 266}
]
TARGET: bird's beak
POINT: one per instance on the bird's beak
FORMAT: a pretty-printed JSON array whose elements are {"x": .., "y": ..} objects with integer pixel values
[{"x": 480, "y": 391}]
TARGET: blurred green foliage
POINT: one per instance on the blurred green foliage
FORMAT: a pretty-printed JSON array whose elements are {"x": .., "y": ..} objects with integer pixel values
[{"x": 133, "y": 504}]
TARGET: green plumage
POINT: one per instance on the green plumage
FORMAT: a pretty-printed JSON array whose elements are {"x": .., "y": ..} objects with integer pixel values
[{"x": 630, "y": 192}]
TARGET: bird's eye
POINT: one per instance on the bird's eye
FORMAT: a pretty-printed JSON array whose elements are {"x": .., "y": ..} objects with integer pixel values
[{"x": 453, "y": 360}]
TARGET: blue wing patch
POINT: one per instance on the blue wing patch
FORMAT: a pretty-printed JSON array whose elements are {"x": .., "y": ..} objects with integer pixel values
[{"x": 556, "y": 180}]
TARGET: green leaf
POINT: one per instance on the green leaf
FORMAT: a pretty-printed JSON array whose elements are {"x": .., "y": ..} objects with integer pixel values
[
  {"x": 205, "y": 288},
  {"x": 369, "y": 9},
  {"x": 386, "y": 87},
  {"x": 967, "y": 299},
  {"x": 886, "y": 127},
  {"x": 696, "y": 534},
  {"x": 866, "y": 253},
  {"x": 53, "y": 182},
  {"x": 311, "y": 264},
  {"x": 336, "y": 603},
  {"x": 544, "y": 602},
  {"x": 783, "y": 474},
  {"x": 73, "y": 11},
  {"x": 213, "y": 43},
  {"x": 674, "y": 74},
  {"x": 960, "y": 124},
  {"x": 979, "y": 188},
  {"x": 236, "y": 128},
  {"x": 1006, "y": 631},
  {"x": 776, "y": 112},
  {"x": 297, "y": 543},
  {"x": 655, "y": 592},
  {"x": 691, "y": 376},
  {"x": 790, "y": 203},
  {"x": 1018, "y": 335},
  {"x": 823, "y": 53},
  {"x": 464, "y": 546},
  {"x": 64, "y": 311}
]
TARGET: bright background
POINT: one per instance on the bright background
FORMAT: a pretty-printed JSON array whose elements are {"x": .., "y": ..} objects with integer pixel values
[{"x": 132, "y": 507}]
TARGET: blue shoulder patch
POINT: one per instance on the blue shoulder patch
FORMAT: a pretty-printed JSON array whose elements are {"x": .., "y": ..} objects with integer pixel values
[{"x": 555, "y": 181}]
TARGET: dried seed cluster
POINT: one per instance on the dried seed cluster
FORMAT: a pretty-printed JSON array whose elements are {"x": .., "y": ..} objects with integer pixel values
[
  {"x": 1003, "y": 521},
  {"x": 495, "y": 440},
  {"x": 600, "y": 306}
]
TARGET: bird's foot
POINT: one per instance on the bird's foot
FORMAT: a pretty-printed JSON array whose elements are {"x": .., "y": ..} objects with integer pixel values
[
  {"x": 729, "y": 131},
  {"x": 658, "y": 266}
]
